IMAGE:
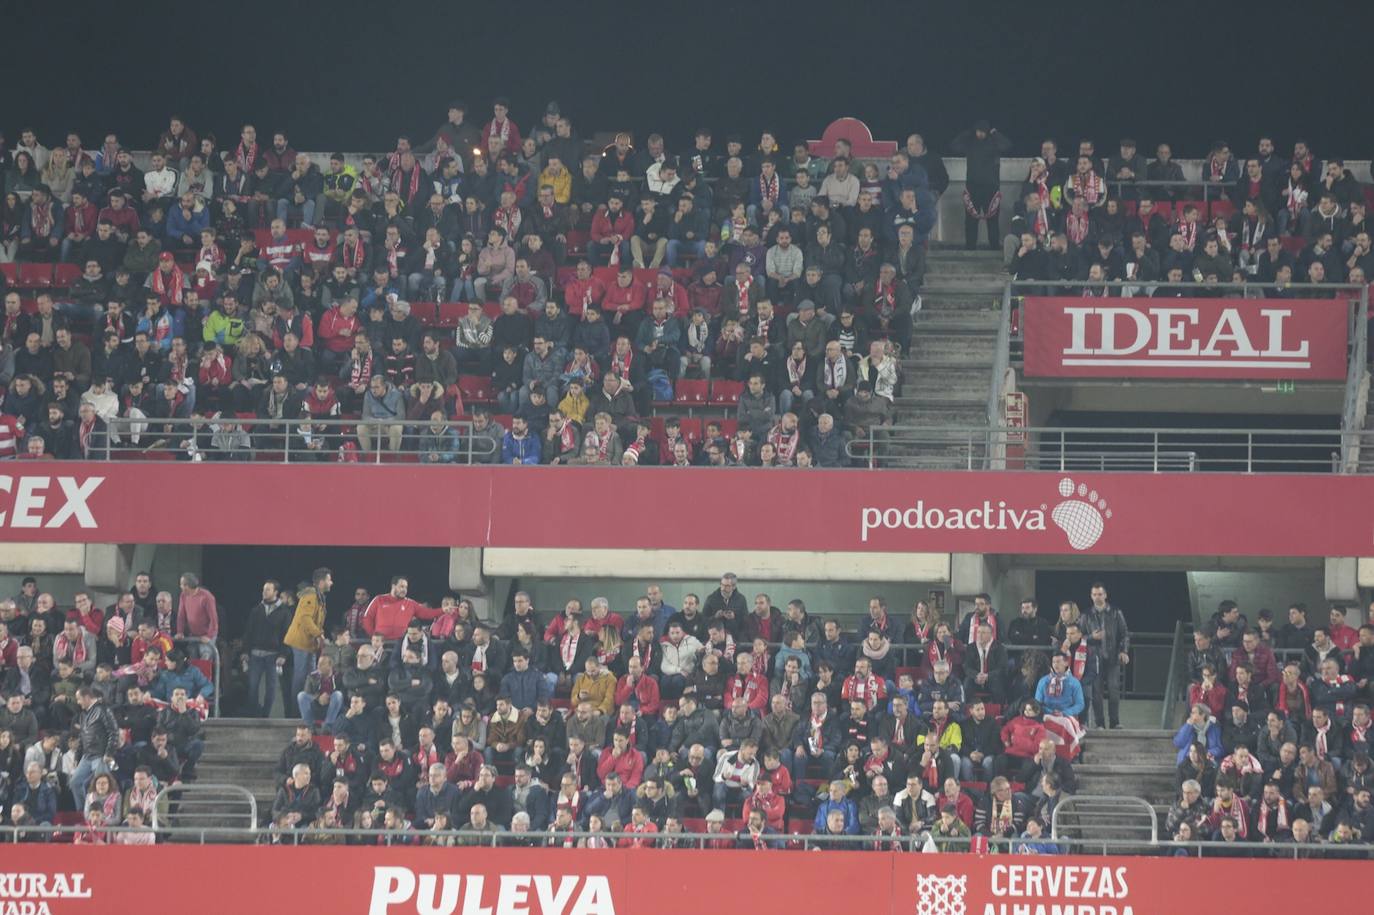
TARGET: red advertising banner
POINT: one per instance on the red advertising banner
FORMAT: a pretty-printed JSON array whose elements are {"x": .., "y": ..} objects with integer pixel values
[
  {"x": 699, "y": 508},
  {"x": 1251, "y": 339},
  {"x": 232, "y": 880}
]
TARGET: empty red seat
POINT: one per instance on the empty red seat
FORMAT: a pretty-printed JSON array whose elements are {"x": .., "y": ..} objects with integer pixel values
[
  {"x": 728, "y": 427},
  {"x": 448, "y": 314},
  {"x": 691, "y": 430},
  {"x": 10, "y": 271},
  {"x": 725, "y": 393},
  {"x": 34, "y": 276},
  {"x": 1223, "y": 208},
  {"x": 65, "y": 275},
  {"x": 476, "y": 389},
  {"x": 691, "y": 392}
]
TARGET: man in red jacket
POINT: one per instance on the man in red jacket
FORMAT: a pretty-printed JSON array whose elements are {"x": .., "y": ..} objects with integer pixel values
[{"x": 388, "y": 615}]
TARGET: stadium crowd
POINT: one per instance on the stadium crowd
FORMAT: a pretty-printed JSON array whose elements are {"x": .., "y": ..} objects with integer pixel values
[
  {"x": 249, "y": 281},
  {"x": 725, "y": 714},
  {"x": 1276, "y": 745}
]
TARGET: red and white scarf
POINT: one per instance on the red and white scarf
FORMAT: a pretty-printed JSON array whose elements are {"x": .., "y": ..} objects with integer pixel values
[
  {"x": 1281, "y": 702},
  {"x": 169, "y": 286},
  {"x": 247, "y": 158},
  {"x": 1280, "y": 820},
  {"x": 40, "y": 218},
  {"x": 1076, "y": 227},
  {"x": 75, "y": 648},
  {"x": 796, "y": 370},
  {"x": 1189, "y": 232},
  {"x": 620, "y": 364},
  {"x": 769, "y": 188},
  {"x": 399, "y": 180},
  {"x": 742, "y": 291},
  {"x": 816, "y": 734},
  {"x": 567, "y": 646},
  {"x": 990, "y": 621},
  {"x": 1078, "y": 659},
  {"x": 1090, "y": 187},
  {"x": 353, "y": 255},
  {"x": 1341, "y": 680}
]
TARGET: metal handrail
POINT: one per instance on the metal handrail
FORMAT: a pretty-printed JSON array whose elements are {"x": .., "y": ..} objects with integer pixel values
[
  {"x": 1171, "y": 685},
  {"x": 179, "y": 789},
  {"x": 1356, "y": 384},
  {"x": 1065, "y": 448},
  {"x": 546, "y": 838},
  {"x": 1118, "y": 800},
  {"x": 1001, "y": 361},
  {"x": 284, "y": 437}
]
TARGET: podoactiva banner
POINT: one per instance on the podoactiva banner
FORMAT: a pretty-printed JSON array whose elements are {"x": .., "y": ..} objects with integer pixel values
[
  {"x": 1186, "y": 338},
  {"x": 1178, "y": 514},
  {"x": 234, "y": 880}
]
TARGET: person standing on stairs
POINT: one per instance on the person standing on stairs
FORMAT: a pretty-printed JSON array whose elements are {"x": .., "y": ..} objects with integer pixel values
[
  {"x": 1108, "y": 632},
  {"x": 982, "y": 148}
]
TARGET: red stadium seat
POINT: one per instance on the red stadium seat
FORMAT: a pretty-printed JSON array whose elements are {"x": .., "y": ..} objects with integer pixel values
[
  {"x": 725, "y": 393},
  {"x": 476, "y": 389},
  {"x": 34, "y": 276},
  {"x": 691, "y": 430},
  {"x": 691, "y": 392},
  {"x": 10, "y": 272},
  {"x": 66, "y": 275},
  {"x": 728, "y": 427},
  {"x": 448, "y": 314},
  {"x": 1222, "y": 208}
]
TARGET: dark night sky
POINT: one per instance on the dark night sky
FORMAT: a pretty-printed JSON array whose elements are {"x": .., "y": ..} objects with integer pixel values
[{"x": 352, "y": 76}]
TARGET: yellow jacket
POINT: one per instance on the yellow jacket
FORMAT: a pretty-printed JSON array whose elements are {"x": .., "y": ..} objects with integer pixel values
[
  {"x": 599, "y": 691},
  {"x": 307, "y": 626},
  {"x": 561, "y": 183}
]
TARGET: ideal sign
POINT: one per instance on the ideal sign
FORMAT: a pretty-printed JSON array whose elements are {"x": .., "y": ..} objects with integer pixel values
[{"x": 1186, "y": 338}]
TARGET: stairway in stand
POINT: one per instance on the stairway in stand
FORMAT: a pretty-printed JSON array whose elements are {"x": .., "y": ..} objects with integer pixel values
[
  {"x": 243, "y": 752},
  {"x": 948, "y": 371}
]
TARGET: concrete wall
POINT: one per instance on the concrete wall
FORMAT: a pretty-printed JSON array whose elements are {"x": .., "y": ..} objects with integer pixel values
[{"x": 1256, "y": 589}]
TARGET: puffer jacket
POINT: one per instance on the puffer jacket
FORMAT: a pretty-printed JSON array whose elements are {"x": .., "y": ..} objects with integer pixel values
[{"x": 1021, "y": 736}]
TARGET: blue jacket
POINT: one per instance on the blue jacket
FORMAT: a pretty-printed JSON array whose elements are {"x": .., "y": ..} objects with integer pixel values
[
  {"x": 525, "y": 688},
  {"x": 178, "y": 225},
  {"x": 189, "y": 678},
  {"x": 427, "y": 803},
  {"x": 1069, "y": 702},
  {"x": 851, "y": 815},
  {"x": 523, "y": 451},
  {"x": 1185, "y": 737},
  {"x": 41, "y": 803}
]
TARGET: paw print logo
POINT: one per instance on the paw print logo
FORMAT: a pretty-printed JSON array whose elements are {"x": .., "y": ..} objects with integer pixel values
[{"x": 1082, "y": 515}]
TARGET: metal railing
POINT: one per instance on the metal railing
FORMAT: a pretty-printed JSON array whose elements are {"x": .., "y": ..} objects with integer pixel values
[
  {"x": 917, "y": 842},
  {"x": 1171, "y": 683},
  {"x": 216, "y": 667},
  {"x": 1090, "y": 814},
  {"x": 297, "y": 441},
  {"x": 1064, "y": 449},
  {"x": 176, "y": 799}
]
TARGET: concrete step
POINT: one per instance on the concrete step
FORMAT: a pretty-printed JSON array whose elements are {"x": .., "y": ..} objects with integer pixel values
[
  {"x": 939, "y": 345},
  {"x": 940, "y": 388},
  {"x": 941, "y": 321},
  {"x": 922, "y": 413}
]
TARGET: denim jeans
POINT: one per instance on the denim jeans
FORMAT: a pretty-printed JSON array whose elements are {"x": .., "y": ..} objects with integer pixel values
[
  {"x": 310, "y": 709},
  {"x": 307, "y": 210},
  {"x": 969, "y": 771},
  {"x": 302, "y": 663},
  {"x": 675, "y": 247},
  {"x": 87, "y": 769},
  {"x": 262, "y": 668}
]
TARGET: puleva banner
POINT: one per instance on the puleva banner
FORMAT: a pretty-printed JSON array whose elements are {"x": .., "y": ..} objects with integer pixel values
[
  {"x": 843, "y": 510},
  {"x": 232, "y": 880},
  {"x": 1198, "y": 339}
]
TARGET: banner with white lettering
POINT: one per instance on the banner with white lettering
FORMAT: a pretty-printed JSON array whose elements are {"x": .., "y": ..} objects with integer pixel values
[
  {"x": 42, "y": 879},
  {"x": 1242, "y": 339}
]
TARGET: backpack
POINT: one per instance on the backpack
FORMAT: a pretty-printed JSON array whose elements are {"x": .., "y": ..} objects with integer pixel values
[{"x": 660, "y": 385}]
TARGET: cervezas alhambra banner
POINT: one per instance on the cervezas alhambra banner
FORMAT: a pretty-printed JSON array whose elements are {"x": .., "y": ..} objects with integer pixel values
[{"x": 1203, "y": 339}]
